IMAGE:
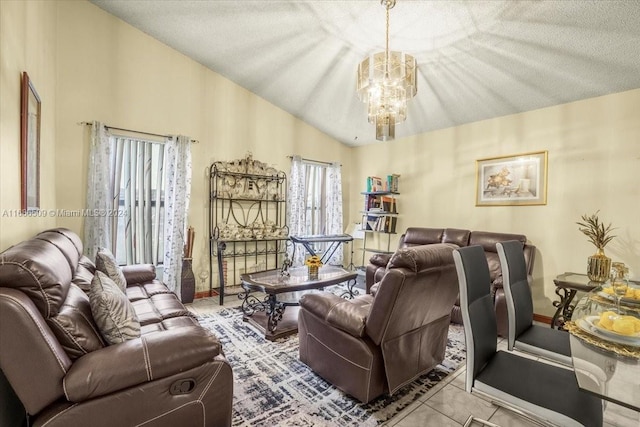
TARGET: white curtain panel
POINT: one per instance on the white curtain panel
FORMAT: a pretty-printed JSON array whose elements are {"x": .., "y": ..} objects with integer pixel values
[
  {"x": 296, "y": 206},
  {"x": 176, "y": 201},
  {"x": 333, "y": 207},
  {"x": 97, "y": 228}
]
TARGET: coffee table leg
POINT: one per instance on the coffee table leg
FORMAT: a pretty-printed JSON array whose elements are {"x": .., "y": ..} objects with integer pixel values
[
  {"x": 275, "y": 311},
  {"x": 350, "y": 293},
  {"x": 250, "y": 304}
]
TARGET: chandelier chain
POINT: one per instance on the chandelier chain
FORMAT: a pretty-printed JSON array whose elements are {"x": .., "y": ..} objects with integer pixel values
[{"x": 386, "y": 51}]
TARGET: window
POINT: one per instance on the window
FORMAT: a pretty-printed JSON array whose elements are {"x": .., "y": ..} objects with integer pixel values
[
  {"x": 315, "y": 204},
  {"x": 138, "y": 166},
  {"x": 315, "y": 199}
]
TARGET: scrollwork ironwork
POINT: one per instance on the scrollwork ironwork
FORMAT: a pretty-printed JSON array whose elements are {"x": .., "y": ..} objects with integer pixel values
[{"x": 564, "y": 308}]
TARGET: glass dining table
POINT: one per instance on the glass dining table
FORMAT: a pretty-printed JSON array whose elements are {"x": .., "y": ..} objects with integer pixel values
[{"x": 606, "y": 354}]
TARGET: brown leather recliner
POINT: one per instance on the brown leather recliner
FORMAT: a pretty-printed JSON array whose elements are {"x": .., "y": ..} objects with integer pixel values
[
  {"x": 373, "y": 344},
  {"x": 57, "y": 368},
  {"x": 425, "y": 236}
]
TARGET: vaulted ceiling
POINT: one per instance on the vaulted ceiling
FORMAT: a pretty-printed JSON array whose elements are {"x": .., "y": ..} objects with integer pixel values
[{"x": 476, "y": 59}]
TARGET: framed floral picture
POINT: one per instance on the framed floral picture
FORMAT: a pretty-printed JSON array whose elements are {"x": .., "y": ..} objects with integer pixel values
[
  {"x": 30, "y": 145},
  {"x": 515, "y": 180}
]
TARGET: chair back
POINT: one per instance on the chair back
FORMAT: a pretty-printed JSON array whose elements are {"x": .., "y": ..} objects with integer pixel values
[
  {"x": 516, "y": 288},
  {"x": 410, "y": 314},
  {"x": 478, "y": 315}
]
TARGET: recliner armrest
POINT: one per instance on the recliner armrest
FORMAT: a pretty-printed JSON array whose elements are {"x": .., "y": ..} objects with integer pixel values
[
  {"x": 349, "y": 316},
  {"x": 139, "y": 273},
  {"x": 148, "y": 358}
]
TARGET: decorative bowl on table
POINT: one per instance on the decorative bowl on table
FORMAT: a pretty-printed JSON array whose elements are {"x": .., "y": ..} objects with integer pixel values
[{"x": 597, "y": 314}]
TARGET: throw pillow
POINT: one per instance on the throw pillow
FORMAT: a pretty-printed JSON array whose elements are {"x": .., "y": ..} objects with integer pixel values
[
  {"x": 112, "y": 311},
  {"x": 106, "y": 262}
]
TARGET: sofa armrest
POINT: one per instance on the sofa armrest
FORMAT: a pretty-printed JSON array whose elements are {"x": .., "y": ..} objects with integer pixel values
[
  {"x": 139, "y": 273},
  {"x": 349, "y": 316},
  {"x": 376, "y": 263},
  {"x": 148, "y": 358},
  {"x": 380, "y": 260}
]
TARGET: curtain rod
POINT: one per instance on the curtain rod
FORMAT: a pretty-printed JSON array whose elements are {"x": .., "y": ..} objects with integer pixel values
[
  {"x": 193, "y": 141},
  {"x": 315, "y": 161}
]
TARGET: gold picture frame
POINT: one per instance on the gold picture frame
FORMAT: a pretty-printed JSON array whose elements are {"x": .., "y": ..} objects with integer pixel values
[
  {"x": 29, "y": 145},
  {"x": 516, "y": 180}
]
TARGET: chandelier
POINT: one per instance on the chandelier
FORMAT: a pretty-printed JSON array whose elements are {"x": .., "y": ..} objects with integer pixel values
[{"x": 386, "y": 80}]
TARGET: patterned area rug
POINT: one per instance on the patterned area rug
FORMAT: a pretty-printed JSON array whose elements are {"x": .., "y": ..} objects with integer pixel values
[{"x": 272, "y": 387}]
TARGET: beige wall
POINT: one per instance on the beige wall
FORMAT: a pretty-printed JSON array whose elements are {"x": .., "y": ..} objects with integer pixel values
[
  {"x": 108, "y": 71},
  {"x": 594, "y": 159},
  {"x": 111, "y": 72},
  {"x": 27, "y": 43},
  {"x": 88, "y": 65}
]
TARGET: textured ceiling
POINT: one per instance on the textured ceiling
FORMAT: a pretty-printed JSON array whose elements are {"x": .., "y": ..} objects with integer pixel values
[{"x": 476, "y": 59}]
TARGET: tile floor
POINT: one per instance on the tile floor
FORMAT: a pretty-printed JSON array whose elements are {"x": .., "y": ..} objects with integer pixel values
[{"x": 447, "y": 404}]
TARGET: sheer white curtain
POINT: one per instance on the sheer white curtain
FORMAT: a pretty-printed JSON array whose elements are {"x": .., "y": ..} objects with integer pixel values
[
  {"x": 98, "y": 230},
  {"x": 333, "y": 214},
  {"x": 297, "y": 202},
  {"x": 176, "y": 202}
]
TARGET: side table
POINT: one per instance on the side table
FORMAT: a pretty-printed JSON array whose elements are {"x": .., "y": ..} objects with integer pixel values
[{"x": 567, "y": 285}]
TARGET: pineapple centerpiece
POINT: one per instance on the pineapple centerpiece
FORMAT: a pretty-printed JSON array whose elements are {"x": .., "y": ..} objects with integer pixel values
[{"x": 599, "y": 265}]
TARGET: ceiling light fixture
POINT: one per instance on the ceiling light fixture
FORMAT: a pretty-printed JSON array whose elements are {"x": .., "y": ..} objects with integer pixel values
[{"x": 386, "y": 80}]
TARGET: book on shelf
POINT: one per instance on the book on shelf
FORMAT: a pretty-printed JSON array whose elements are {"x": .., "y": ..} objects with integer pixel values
[
  {"x": 390, "y": 224},
  {"x": 375, "y": 183},
  {"x": 369, "y": 222},
  {"x": 385, "y": 224},
  {"x": 372, "y": 202},
  {"x": 392, "y": 183},
  {"x": 389, "y": 204}
]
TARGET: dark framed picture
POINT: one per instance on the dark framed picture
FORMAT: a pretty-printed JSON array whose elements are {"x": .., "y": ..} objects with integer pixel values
[
  {"x": 515, "y": 180},
  {"x": 30, "y": 145}
]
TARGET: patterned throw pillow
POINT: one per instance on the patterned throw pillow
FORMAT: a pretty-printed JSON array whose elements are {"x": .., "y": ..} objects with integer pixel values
[
  {"x": 106, "y": 262},
  {"x": 112, "y": 311}
]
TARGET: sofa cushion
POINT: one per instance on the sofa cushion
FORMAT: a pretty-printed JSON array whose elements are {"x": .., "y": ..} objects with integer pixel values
[
  {"x": 68, "y": 244},
  {"x": 82, "y": 278},
  {"x": 87, "y": 263},
  {"x": 428, "y": 257},
  {"x": 74, "y": 325},
  {"x": 157, "y": 307},
  {"x": 106, "y": 263},
  {"x": 40, "y": 270},
  {"x": 487, "y": 240},
  {"x": 415, "y": 236},
  {"x": 112, "y": 311},
  {"x": 456, "y": 236}
]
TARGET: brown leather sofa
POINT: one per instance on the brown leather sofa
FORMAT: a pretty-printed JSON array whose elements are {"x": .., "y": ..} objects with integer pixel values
[
  {"x": 57, "y": 369},
  {"x": 415, "y": 236},
  {"x": 376, "y": 344}
]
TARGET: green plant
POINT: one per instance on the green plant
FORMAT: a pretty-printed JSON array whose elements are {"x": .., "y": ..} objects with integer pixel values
[{"x": 595, "y": 230}]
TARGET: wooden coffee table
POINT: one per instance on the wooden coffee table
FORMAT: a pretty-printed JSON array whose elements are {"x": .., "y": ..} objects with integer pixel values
[{"x": 268, "y": 312}]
